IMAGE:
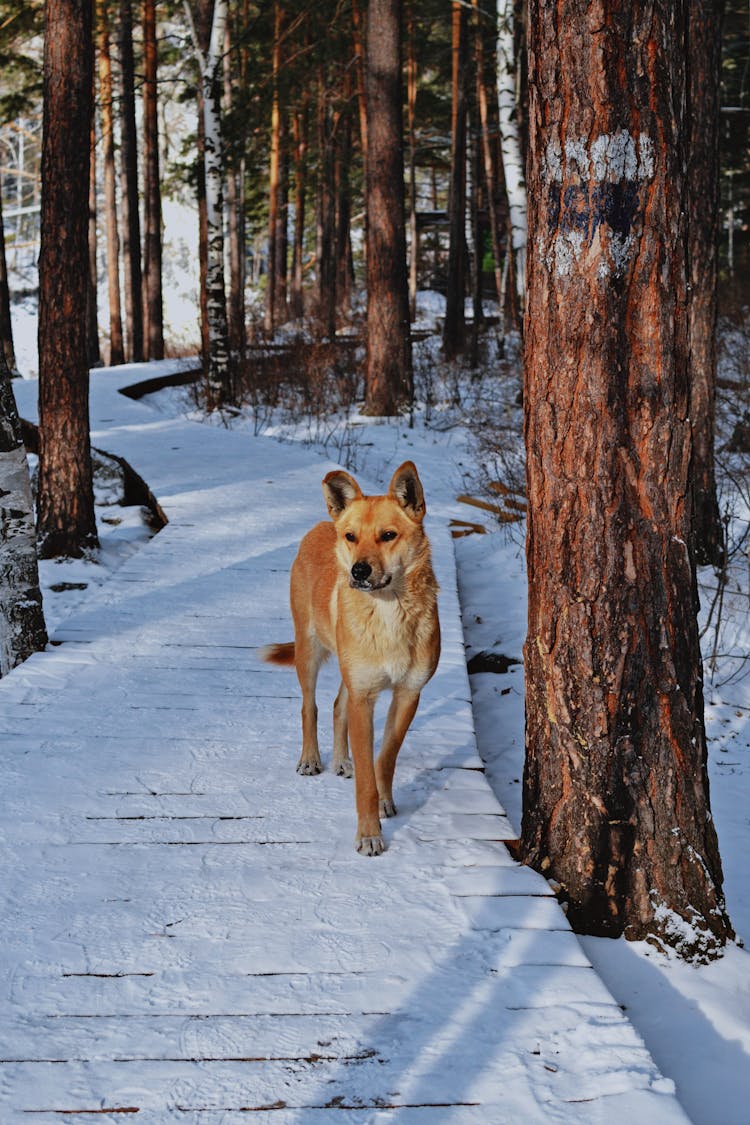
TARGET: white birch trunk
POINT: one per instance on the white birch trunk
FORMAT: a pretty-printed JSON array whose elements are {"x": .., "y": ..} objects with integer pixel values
[
  {"x": 22, "y": 629},
  {"x": 210, "y": 63},
  {"x": 510, "y": 142}
]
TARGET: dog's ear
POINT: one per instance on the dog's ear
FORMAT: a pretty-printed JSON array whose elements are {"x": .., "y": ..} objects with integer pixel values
[
  {"x": 339, "y": 490},
  {"x": 406, "y": 488}
]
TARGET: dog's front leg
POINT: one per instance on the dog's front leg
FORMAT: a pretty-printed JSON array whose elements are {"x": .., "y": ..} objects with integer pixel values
[
  {"x": 400, "y": 714},
  {"x": 361, "y": 707}
]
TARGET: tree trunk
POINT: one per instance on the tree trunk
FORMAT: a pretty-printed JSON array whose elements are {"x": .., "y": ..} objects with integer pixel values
[
  {"x": 389, "y": 385},
  {"x": 273, "y": 313},
  {"x": 92, "y": 293},
  {"x": 116, "y": 349},
  {"x": 454, "y": 328},
  {"x": 343, "y": 160},
  {"x": 131, "y": 223},
  {"x": 510, "y": 140},
  {"x": 326, "y": 235},
  {"x": 209, "y": 56},
  {"x": 299, "y": 127},
  {"x": 200, "y": 182},
  {"x": 6, "y": 323},
  {"x": 152, "y": 256},
  {"x": 488, "y": 162},
  {"x": 66, "y": 521},
  {"x": 704, "y": 70},
  {"x": 411, "y": 100},
  {"x": 616, "y": 806},
  {"x": 22, "y": 628},
  {"x": 236, "y": 219}
]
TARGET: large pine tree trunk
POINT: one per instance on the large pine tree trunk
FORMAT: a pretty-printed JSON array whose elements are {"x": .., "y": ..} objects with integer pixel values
[
  {"x": 116, "y": 348},
  {"x": 510, "y": 141},
  {"x": 131, "y": 223},
  {"x": 22, "y": 628},
  {"x": 704, "y": 69},
  {"x": 616, "y": 805},
  {"x": 389, "y": 371},
  {"x": 66, "y": 521},
  {"x": 152, "y": 255},
  {"x": 454, "y": 327}
]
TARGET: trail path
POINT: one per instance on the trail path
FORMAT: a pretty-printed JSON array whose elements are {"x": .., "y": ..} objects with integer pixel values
[{"x": 187, "y": 931}]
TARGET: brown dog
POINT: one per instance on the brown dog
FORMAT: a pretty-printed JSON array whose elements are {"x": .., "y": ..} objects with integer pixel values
[{"x": 363, "y": 587}]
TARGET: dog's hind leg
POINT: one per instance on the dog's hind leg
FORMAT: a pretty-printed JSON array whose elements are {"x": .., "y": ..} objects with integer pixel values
[
  {"x": 400, "y": 714},
  {"x": 309, "y": 654},
  {"x": 342, "y": 763}
]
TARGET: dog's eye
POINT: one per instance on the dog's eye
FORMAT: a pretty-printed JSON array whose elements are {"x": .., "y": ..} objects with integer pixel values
[
  {"x": 350, "y": 537},
  {"x": 388, "y": 536}
]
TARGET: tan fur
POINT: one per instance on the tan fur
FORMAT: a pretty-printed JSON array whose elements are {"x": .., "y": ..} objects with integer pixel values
[{"x": 382, "y": 623}]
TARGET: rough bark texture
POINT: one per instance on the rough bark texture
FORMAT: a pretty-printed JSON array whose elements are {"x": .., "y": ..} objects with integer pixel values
[
  {"x": 66, "y": 519},
  {"x": 152, "y": 245},
  {"x": 389, "y": 370},
  {"x": 704, "y": 67},
  {"x": 6, "y": 324},
  {"x": 454, "y": 327},
  {"x": 615, "y": 787},
  {"x": 131, "y": 223},
  {"x": 22, "y": 628},
  {"x": 116, "y": 346}
]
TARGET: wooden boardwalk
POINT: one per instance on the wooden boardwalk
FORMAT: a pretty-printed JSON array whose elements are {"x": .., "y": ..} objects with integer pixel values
[{"x": 187, "y": 931}]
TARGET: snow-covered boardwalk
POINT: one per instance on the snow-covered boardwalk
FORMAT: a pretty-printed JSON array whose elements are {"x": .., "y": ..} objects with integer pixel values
[{"x": 187, "y": 931}]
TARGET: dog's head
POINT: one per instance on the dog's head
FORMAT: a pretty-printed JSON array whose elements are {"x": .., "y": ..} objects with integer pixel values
[{"x": 377, "y": 537}]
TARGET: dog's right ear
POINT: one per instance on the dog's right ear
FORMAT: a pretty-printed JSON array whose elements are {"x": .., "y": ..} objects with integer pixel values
[{"x": 339, "y": 490}]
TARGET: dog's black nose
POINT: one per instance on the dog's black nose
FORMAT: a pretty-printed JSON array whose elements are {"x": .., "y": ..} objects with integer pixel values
[{"x": 361, "y": 571}]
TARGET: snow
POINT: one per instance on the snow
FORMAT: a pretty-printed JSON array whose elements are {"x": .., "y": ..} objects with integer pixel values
[
  {"x": 486, "y": 998},
  {"x": 187, "y": 929}
]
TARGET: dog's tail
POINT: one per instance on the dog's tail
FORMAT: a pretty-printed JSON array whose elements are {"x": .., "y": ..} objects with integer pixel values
[{"x": 279, "y": 654}]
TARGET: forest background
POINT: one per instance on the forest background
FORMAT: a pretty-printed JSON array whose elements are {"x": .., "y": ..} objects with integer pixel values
[{"x": 312, "y": 145}]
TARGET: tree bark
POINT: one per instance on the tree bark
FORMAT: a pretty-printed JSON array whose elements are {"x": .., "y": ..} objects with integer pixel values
[
  {"x": 411, "y": 101},
  {"x": 6, "y": 322},
  {"x": 326, "y": 219},
  {"x": 488, "y": 161},
  {"x": 235, "y": 216},
  {"x": 116, "y": 348},
  {"x": 299, "y": 136},
  {"x": 131, "y": 223},
  {"x": 66, "y": 521},
  {"x": 22, "y": 628},
  {"x": 389, "y": 380},
  {"x": 454, "y": 327},
  {"x": 510, "y": 141},
  {"x": 616, "y": 805},
  {"x": 209, "y": 57},
  {"x": 704, "y": 73},
  {"x": 92, "y": 294},
  {"x": 153, "y": 313},
  {"x": 275, "y": 286}
]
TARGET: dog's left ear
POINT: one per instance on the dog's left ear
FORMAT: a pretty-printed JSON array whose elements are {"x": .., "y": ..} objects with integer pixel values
[
  {"x": 339, "y": 490},
  {"x": 406, "y": 489}
]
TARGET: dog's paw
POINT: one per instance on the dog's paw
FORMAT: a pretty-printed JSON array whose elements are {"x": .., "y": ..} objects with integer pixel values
[
  {"x": 387, "y": 808},
  {"x": 308, "y": 768},
  {"x": 370, "y": 845},
  {"x": 344, "y": 768}
]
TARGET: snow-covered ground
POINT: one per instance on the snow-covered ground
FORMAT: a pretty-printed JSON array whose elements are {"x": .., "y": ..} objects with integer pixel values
[{"x": 694, "y": 1020}]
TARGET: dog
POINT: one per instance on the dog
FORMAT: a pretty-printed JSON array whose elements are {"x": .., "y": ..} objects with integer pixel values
[{"x": 363, "y": 587}]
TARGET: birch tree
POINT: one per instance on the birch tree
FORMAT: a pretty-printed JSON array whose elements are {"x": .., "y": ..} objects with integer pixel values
[
  {"x": 510, "y": 144},
  {"x": 22, "y": 628},
  {"x": 210, "y": 62}
]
